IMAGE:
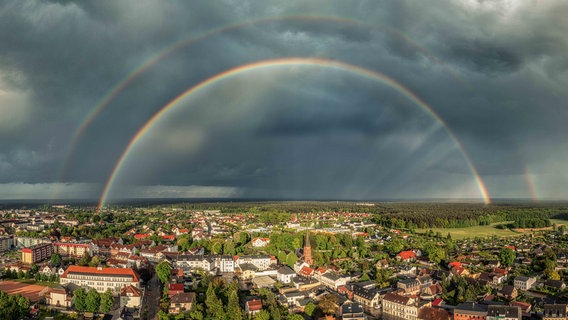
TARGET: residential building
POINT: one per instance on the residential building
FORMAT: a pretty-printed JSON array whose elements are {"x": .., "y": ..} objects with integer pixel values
[
  {"x": 470, "y": 311},
  {"x": 555, "y": 312},
  {"x": 181, "y": 302},
  {"x": 409, "y": 285},
  {"x": 430, "y": 313},
  {"x": 352, "y": 311},
  {"x": 59, "y": 297},
  {"x": 253, "y": 306},
  {"x": 101, "y": 278},
  {"x": 6, "y": 243},
  {"x": 524, "y": 283},
  {"x": 260, "y": 242},
  {"x": 72, "y": 249},
  {"x": 400, "y": 307},
  {"x": 496, "y": 312},
  {"x": 285, "y": 274},
  {"x": 130, "y": 297},
  {"x": 37, "y": 253}
]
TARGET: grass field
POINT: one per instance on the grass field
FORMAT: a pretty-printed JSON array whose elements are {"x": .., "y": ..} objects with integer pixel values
[{"x": 472, "y": 232}]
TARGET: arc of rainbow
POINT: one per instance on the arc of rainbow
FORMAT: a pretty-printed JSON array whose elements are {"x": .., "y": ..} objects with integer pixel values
[
  {"x": 105, "y": 100},
  {"x": 279, "y": 63}
]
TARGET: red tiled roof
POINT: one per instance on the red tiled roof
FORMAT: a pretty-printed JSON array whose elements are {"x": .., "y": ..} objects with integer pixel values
[
  {"x": 254, "y": 305},
  {"x": 407, "y": 255},
  {"x": 102, "y": 271}
]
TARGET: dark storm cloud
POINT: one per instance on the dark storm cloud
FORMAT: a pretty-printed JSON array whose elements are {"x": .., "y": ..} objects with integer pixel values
[{"x": 495, "y": 71}]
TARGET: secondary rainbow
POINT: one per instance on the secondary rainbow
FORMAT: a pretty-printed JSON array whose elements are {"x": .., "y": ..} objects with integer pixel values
[
  {"x": 125, "y": 82},
  {"x": 316, "y": 62}
]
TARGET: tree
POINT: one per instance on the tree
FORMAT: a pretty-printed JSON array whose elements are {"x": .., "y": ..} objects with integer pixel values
[
  {"x": 214, "y": 304},
  {"x": 507, "y": 256},
  {"x": 84, "y": 261},
  {"x": 234, "y": 311},
  {"x": 55, "y": 260},
  {"x": 35, "y": 268},
  {"x": 93, "y": 300},
  {"x": 295, "y": 316},
  {"x": 95, "y": 261},
  {"x": 107, "y": 300},
  {"x": 310, "y": 309},
  {"x": 262, "y": 315},
  {"x": 80, "y": 296},
  {"x": 328, "y": 304},
  {"x": 164, "y": 271}
]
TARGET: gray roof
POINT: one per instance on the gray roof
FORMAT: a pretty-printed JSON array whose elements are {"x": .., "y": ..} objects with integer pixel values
[
  {"x": 286, "y": 270},
  {"x": 507, "y": 311}
]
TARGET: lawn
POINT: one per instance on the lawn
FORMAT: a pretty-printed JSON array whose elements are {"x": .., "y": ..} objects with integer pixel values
[{"x": 476, "y": 231}]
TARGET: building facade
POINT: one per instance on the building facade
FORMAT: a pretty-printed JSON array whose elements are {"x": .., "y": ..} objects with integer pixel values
[
  {"x": 101, "y": 279},
  {"x": 37, "y": 253}
]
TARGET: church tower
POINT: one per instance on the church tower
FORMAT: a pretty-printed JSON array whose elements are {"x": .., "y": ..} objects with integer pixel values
[{"x": 308, "y": 250}]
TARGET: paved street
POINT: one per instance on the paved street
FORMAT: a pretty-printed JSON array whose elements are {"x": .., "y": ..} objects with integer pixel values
[{"x": 151, "y": 299}]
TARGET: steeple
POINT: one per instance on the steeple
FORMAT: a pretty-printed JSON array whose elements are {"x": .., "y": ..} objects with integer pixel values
[{"x": 308, "y": 250}]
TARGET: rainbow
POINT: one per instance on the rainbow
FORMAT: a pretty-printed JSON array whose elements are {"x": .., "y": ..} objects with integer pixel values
[
  {"x": 125, "y": 82},
  {"x": 530, "y": 181},
  {"x": 266, "y": 64}
]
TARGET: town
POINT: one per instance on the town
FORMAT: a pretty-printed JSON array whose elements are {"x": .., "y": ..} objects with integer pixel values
[{"x": 280, "y": 261}]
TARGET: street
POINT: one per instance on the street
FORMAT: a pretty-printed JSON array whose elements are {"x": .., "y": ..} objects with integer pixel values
[{"x": 151, "y": 299}]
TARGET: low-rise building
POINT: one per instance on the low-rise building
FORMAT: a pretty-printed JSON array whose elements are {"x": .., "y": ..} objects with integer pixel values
[
  {"x": 504, "y": 313},
  {"x": 400, "y": 307},
  {"x": 130, "y": 297},
  {"x": 100, "y": 278},
  {"x": 524, "y": 283},
  {"x": 470, "y": 311},
  {"x": 352, "y": 311},
  {"x": 285, "y": 274},
  {"x": 59, "y": 297},
  {"x": 555, "y": 312},
  {"x": 181, "y": 302}
]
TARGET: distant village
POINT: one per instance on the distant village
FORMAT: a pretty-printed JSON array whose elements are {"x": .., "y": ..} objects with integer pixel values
[{"x": 178, "y": 263}]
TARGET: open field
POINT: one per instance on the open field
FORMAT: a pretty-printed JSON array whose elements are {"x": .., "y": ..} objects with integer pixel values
[
  {"x": 476, "y": 231},
  {"x": 30, "y": 291}
]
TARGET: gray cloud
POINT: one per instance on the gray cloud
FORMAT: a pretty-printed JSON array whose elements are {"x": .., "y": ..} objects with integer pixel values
[{"x": 495, "y": 71}]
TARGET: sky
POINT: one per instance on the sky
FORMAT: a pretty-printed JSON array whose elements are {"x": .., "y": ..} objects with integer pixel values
[{"x": 358, "y": 100}]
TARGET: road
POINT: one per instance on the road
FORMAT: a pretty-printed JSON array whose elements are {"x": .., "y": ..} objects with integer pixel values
[{"x": 151, "y": 299}]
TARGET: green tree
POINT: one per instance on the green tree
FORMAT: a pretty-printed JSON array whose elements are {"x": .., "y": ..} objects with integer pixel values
[
  {"x": 55, "y": 260},
  {"x": 295, "y": 316},
  {"x": 214, "y": 304},
  {"x": 80, "y": 296},
  {"x": 93, "y": 300},
  {"x": 234, "y": 311},
  {"x": 310, "y": 309},
  {"x": 506, "y": 256},
  {"x": 291, "y": 259},
  {"x": 107, "y": 300},
  {"x": 164, "y": 271},
  {"x": 262, "y": 315}
]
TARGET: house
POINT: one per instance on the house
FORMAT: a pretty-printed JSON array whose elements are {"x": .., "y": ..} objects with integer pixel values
[
  {"x": 352, "y": 311},
  {"x": 253, "y": 306},
  {"x": 369, "y": 298},
  {"x": 47, "y": 270},
  {"x": 59, "y": 297},
  {"x": 260, "y": 242},
  {"x": 332, "y": 280},
  {"x": 400, "y": 307},
  {"x": 248, "y": 271},
  {"x": 497, "y": 312},
  {"x": 508, "y": 292},
  {"x": 409, "y": 286},
  {"x": 555, "y": 284},
  {"x": 524, "y": 283},
  {"x": 285, "y": 274},
  {"x": 175, "y": 288},
  {"x": 130, "y": 297},
  {"x": 470, "y": 311},
  {"x": 555, "y": 312},
  {"x": 181, "y": 302},
  {"x": 406, "y": 256},
  {"x": 430, "y": 313}
]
